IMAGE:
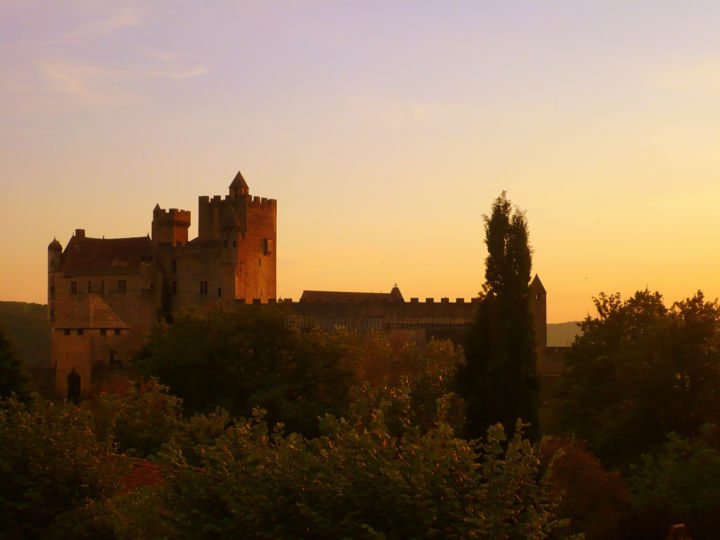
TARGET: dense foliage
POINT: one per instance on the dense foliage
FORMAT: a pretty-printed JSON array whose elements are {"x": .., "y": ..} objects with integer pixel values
[
  {"x": 499, "y": 381},
  {"x": 251, "y": 358},
  {"x": 640, "y": 371},
  {"x": 679, "y": 484},
  {"x": 407, "y": 383},
  {"x": 593, "y": 502},
  {"x": 26, "y": 324},
  {"x": 51, "y": 463},
  {"x": 368, "y": 448},
  {"x": 60, "y": 480},
  {"x": 359, "y": 483},
  {"x": 139, "y": 416},
  {"x": 12, "y": 375}
]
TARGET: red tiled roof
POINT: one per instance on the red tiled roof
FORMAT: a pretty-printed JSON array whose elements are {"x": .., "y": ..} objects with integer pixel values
[{"x": 95, "y": 256}]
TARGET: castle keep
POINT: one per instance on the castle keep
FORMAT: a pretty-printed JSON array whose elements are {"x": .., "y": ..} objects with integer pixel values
[{"x": 106, "y": 295}]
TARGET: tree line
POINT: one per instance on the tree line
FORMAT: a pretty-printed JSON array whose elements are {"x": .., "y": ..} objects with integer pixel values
[{"x": 239, "y": 424}]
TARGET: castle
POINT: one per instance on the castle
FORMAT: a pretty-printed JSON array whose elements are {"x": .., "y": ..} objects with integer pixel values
[{"x": 105, "y": 296}]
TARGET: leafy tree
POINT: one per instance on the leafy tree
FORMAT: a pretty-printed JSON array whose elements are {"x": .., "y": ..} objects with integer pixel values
[
  {"x": 28, "y": 327},
  {"x": 639, "y": 371},
  {"x": 499, "y": 382},
  {"x": 353, "y": 482},
  {"x": 139, "y": 416},
  {"x": 679, "y": 484},
  {"x": 407, "y": 383},
  {"x": 12, "y": 375},
  {"x": 50, "y": 463},
  {"x": 594, "y": 502},
  {"x": 247, "y": 358}
]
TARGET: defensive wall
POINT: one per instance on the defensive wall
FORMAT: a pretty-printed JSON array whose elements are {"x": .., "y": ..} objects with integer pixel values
[{"x": 414, "y": 321}]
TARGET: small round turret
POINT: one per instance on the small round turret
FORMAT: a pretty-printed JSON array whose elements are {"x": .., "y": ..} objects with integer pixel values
[{"x": 54, "y": 255}]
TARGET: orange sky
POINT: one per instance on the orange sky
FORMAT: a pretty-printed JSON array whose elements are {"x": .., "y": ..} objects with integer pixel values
[{"x": 385, "y": 131}]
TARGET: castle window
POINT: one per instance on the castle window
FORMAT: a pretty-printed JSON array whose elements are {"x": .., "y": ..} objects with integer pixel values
[
  {"x": 174, "y": 265},
  {"x": 117, "y": 331},
  {"x": 219, "y": 291},
  {"x": 234, "y": 243},
  {"x": 52, "y": 315},
  {"x": 67, "y": 331},
  {"x": 173, "y": 287},
  {"x": 89, "y": 286},
  {"x": 267, "y": 246},
  {"x": 203, "y": 287},
  {"x": 122, "y": 286},
  {"x": 113, "y": 357},
  {"x": 52, "y": 292},
  {"x": 80, "y": 332},
  {"x": 103, "y": 332},
  {"x": 73, "y": 287}
]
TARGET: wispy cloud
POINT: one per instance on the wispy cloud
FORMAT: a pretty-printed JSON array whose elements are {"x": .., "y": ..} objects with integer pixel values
[
  {"x": 698, "y": 77},
  {"x": 79, "y": 51},
  {"x": 69, "y": 23},
  {"x": 99, "y": 85},
  {"x": 80, "y": 82}
]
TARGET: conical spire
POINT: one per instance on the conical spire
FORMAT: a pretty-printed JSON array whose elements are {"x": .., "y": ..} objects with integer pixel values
[
  {"x": 537, "y": 285},
  {"x": 238, "y": 186}
]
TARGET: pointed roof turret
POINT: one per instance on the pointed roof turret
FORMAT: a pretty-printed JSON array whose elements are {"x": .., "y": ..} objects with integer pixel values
[
  {"x": 157, "y": 209},
  {"x": 537, "y": 285},
  {"x": 55, "y": 245},
  {"x": 238, "y": 186},
  {"x": 396, "y": 294}
]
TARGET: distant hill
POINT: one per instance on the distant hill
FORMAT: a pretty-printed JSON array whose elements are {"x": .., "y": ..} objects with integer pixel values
[
  {"x": 562, "y": 334},
  {"x": 27, "y": 327}
]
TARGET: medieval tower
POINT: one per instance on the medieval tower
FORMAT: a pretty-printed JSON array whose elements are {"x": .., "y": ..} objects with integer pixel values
[{"x": 106, "y": 295}]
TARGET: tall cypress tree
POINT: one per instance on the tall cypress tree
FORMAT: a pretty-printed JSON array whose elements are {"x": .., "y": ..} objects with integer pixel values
[{"x": 499, "y": 381}]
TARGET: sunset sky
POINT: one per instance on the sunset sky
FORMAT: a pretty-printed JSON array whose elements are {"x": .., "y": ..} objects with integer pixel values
[{"x": 385, "y": 130}]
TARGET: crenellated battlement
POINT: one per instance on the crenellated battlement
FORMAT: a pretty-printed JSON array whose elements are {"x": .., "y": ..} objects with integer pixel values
[
  {"x": 385, "y": 300},
  {"x": 172, "y": 215},
  {"x": 262, "y": 203},
  {"x": 253, "y": 201},
  {"x": 170, "y": 226}
]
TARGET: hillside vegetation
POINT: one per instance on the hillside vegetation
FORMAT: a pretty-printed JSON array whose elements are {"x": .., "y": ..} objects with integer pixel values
[{"x": 27, "y": 327}]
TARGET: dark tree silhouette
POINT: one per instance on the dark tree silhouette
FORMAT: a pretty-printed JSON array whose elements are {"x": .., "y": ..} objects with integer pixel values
[
  {"x": 251, "y": 358},
  {"x": 499, "y": 381},
  {"x": 12, "y": 375},
  {"x": 639, "y": 371}
]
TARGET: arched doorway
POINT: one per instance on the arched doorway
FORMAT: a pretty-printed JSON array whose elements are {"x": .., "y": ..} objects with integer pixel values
[{"x": 74, "y": 385}]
